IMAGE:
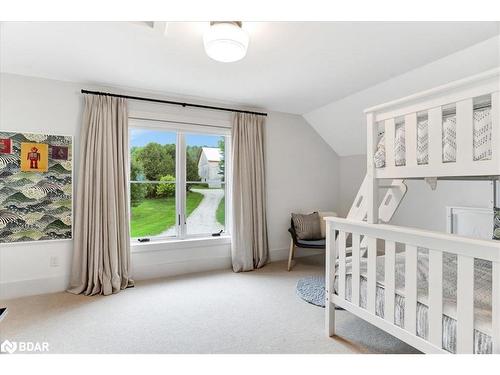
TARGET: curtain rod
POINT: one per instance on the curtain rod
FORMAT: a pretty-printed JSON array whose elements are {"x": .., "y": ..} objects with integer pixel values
[{"x": 172, "y": 102}]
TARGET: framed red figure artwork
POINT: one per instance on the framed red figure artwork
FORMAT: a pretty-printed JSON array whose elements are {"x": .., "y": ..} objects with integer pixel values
[
  {"x": 5, "y": 146},
  {"x": 34, "y": 157}
]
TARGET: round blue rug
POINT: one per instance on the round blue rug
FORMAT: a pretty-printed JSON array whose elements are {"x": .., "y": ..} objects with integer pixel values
[{"x": 312, "y": 290}]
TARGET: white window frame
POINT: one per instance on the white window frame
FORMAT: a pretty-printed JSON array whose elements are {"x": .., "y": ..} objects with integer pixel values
[{"x": 182, "y": 129}]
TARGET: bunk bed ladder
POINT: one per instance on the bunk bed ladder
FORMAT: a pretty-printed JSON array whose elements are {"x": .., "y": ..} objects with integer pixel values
[{"x": 396, "y": 191}]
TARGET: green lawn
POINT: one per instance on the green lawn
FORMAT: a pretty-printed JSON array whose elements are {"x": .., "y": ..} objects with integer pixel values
[
  {"x": 221, "y": 212},
  {"x": 154, "y": 216}
]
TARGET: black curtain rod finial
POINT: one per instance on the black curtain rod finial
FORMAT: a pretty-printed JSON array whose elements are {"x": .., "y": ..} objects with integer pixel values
[{"x": 173, "y": 102}]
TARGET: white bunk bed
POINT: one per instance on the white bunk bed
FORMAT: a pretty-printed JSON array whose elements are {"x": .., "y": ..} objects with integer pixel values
[{"x": 437, "y": 292}]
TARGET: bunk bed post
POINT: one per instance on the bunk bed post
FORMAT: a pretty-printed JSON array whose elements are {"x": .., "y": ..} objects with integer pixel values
[
  {"x": 495, "y": 276},
  {"x": 495, "y": 307},
  {"x": 372, "y": 215},
  {"x": 330, "y": 258},
  {"x": 372, "y": 190},
  {"x": 495, "y": 128}
]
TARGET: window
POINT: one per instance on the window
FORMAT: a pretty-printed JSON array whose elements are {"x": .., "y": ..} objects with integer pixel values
[
  {"x": 205, "y": 183},
  {"x": 178, "y": 180}
]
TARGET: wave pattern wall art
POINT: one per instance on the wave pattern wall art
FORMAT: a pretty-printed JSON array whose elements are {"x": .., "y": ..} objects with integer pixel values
[{"x": 35, "y": 204}]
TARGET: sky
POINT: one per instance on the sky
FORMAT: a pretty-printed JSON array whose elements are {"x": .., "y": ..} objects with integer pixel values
[{"x": 141, "y": 137}]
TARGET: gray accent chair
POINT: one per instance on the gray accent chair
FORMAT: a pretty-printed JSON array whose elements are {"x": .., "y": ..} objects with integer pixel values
[{"x": 318, "y": 244}]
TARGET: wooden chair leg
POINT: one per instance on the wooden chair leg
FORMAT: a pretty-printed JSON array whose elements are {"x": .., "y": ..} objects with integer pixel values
[{"x": 290, "y": 255}]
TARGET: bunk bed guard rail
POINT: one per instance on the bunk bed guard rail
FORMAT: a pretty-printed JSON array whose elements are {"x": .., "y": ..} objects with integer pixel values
[
  {"x": 396, "y": 240},
  {"x": 420, "y": 139}
]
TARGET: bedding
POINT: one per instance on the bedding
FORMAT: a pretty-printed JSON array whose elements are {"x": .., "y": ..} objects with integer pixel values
[
  {"x": 496, "y": 223},
  {"x": 449, "y": 138},
  {"x": 379, "y": 156},
  {"x": 422, "y": 141},
  {"x": 399, "y": 145},
  {"x": 482, "y": 297},
  {"x": 481, "y": 140},
  {"x": 482, "y": 134}
]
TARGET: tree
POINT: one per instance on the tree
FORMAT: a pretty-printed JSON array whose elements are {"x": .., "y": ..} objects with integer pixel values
[
  {"x": 171, "y": 150},
  {"x": 157, "y": 160},
  {"x": 222, "y": 149},
  {"x": 137, "y": 191},
  {"x": 166, "y": 190},
  {"x": 192, "y": 156}
]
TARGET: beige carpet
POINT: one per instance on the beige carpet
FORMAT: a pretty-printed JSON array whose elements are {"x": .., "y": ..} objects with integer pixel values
[{"x": 215, "y": 312}]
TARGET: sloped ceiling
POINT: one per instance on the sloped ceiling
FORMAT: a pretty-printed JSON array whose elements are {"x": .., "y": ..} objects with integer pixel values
[{"x": 342, "y": 123}]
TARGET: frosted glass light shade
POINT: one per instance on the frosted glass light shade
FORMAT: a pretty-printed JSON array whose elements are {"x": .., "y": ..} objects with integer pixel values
[{"x": 225, "y": 42}]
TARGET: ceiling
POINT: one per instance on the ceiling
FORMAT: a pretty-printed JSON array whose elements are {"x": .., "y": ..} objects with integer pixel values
[{"x": 291, "y": 67}]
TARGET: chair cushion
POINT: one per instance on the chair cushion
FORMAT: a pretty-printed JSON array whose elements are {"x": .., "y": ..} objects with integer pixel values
[
  {"x": 315, "y": 243},
  {"x": 307, "y": 227}
]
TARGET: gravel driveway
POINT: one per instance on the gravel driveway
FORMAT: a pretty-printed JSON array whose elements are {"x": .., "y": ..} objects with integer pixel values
[{"x": 202, "y": 220}]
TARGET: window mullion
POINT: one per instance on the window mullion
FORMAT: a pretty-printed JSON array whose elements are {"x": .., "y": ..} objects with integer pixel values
[
  {"x": 181, "y": 185},
  {"x": 228, "y": 183}
]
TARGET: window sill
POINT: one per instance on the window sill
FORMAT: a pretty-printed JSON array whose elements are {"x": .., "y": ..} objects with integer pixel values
[{"x": 176, "y": 244}]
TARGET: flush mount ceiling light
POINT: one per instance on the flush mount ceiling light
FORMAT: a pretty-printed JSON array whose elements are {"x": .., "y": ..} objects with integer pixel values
[{"x": 225, "y": 41}]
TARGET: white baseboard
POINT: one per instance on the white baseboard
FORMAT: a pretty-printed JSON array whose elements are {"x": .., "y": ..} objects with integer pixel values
[
  {"x": 166, "y": 269},
  {"x": 24, "y": 288},
  {"x": 276, "y": 255}
]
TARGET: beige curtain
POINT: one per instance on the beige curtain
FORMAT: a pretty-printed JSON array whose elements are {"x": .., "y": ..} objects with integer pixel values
[
  {"x": 101, "y": 259},
  {"x": 249, "y": 229}
]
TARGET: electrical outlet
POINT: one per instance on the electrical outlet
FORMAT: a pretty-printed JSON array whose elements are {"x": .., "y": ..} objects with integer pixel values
[{"x": 54, "y": 261}]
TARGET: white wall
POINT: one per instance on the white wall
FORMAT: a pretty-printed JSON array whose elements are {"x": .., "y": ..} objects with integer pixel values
[
  {"x": 426, "y": 209},
  {"x": 342, "y": 123},
  {"x": 352, "y": 173},
  {"x": 296, "y": 157},
  {"x": 37, "y": 106},
  {"x": 302, "y": 176}
]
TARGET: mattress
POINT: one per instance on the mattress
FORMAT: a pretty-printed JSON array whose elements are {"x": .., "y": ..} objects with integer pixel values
[
  {"x": 482, "y": 297},
  {"x": 481, "y": 140}
]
